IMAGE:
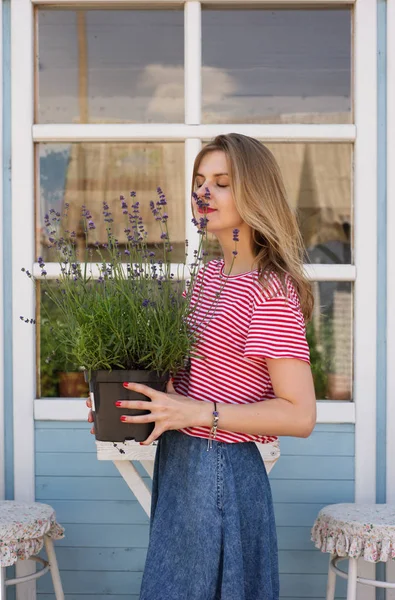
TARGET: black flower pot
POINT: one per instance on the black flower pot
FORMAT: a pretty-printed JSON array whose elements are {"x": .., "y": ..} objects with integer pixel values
[{"x": 106, "y": 388}]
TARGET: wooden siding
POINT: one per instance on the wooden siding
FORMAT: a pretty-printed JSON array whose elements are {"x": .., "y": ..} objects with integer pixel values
[{"x": 102, "y": 556}]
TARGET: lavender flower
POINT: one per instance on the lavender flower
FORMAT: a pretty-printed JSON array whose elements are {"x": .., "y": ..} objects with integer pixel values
[
  {"x": 202, "y": 226},
  {"x": 85, "y": 213},
  {"x": 162, "y": 197},
  {"x": 134, "y": 307}
]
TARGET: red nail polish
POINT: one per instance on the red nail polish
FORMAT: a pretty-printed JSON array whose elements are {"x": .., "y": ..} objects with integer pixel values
[
  {"x": 141, "y": 443},
  {"x": 125, "y": 384},
  {"x": 123, "y": 418},
  {"x": 118, "y": 403}
]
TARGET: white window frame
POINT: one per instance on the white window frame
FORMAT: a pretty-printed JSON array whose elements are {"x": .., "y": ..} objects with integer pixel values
[
  {"x": 390, "y": 421},
  {"x": 2, "y": 425},
  {"x": 362, "y": 133},
  {"x": 390, "y": 253}
]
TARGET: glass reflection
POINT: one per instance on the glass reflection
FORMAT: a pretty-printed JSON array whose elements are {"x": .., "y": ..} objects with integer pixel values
[
  {"x": 57, "y": 376},
  {"x": 88, "y": 174},
  {"x": 277, "y": 66},
  {"x": 317, "y": 178},
  {"x": 110, "y": 65},
  {"x": 330, "y": 337}
]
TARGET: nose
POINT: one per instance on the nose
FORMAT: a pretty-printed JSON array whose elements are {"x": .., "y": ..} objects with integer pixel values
[{"x": 204, "y": 192}]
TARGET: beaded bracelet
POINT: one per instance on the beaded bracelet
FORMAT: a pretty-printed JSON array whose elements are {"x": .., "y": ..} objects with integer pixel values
[{"x": 213, "y": 431}]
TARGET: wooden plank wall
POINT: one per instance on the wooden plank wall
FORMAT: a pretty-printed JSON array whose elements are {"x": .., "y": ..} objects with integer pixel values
[{"x": 102, "y": 556}]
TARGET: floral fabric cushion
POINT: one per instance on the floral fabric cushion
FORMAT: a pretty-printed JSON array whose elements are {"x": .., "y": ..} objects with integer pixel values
[
  {"x": 22, "y": 530},
  {"x": 356, "y": 530}
]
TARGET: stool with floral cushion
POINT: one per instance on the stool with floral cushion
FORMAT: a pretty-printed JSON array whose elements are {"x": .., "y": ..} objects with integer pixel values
[
  {"x": 24, "y": 530},
  {"x": 353, "y": 531}
]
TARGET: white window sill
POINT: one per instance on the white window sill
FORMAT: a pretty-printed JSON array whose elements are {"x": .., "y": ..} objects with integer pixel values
[{"x": 74, "y": 409}]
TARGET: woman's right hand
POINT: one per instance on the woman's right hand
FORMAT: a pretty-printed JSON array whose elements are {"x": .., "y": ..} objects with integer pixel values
[{"x": 90, "y": 414}]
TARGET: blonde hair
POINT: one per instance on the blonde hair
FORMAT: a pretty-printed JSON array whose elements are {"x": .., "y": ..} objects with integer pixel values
[{"x": 260, "y": 198}]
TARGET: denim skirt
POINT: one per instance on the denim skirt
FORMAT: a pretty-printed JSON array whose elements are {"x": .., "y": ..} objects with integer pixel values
[{"x": 212, "y": 532}]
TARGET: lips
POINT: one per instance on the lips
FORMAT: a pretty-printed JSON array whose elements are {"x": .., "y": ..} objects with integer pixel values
[{"x": 206, "y": 210}]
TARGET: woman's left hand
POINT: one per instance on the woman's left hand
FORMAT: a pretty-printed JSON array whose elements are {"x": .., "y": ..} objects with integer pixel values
[{"x": 168, "y": 410}]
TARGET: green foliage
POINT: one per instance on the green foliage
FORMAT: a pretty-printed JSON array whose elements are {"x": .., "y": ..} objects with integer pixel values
[
  {"x": 49, "y": 379},
  {"x": 53, "y": 358},
  {"x": 320, "y": 354},
  {"x": 133, "y": 315},
  {"x": 109, "y": 324}
]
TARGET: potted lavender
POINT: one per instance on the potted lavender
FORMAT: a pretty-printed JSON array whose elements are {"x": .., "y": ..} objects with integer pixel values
[{"x": 130, "y": 321}]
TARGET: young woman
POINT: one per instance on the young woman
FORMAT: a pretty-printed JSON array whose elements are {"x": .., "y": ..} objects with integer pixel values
[{"x": 212, "y": 533}]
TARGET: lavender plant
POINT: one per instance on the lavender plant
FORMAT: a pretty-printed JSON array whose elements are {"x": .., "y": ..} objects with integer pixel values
[{"x": 134, "y": 315}]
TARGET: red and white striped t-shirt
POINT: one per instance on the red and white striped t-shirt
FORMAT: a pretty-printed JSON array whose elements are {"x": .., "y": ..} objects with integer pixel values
[{"x": 240, "y": 327}]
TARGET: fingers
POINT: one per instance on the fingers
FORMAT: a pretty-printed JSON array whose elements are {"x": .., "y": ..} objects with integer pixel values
[
  {"x": 157, "y": 432},
  {"x": 139, "y": 419},
  {"x": 134, "y": 404},
  {"x": 88, "y": 402},
  {"x": 141, "y": 389},
  {"x": 140, "y": 405},
  {"x": 170, "y": 387}
]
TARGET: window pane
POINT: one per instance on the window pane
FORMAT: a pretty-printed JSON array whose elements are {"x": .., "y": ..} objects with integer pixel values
[
  {"x": 56, "y": 375},
  {"x": 318, "y": 180},
  {"x": 329, "y": 334},
  {"x": 277, "y": 66},
  {"x": 110, "y": 65},
  {"x": 330, "y": 337},
  {"x": 84, "y": 174}
]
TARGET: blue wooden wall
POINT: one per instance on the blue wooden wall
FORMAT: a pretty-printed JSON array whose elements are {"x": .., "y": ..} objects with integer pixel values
[{"x": 102, "y": 556}]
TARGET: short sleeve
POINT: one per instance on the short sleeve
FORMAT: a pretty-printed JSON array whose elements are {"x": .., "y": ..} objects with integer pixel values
[{"x": 277, "y": 330}]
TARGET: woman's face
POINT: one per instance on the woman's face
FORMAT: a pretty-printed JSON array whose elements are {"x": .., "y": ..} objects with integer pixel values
[{"x": 221, "y": 211}]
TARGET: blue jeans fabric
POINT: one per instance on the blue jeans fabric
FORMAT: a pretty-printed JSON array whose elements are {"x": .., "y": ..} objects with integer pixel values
[{"x": 212, "y": 533}]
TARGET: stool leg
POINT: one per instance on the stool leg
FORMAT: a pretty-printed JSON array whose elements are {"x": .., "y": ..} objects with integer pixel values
[
  {"x": 2, "y": 584},
  {"x": 57, "y": 584},
  {"x": 352, "y": 579},
  {"x": 331, "y": 582}
]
